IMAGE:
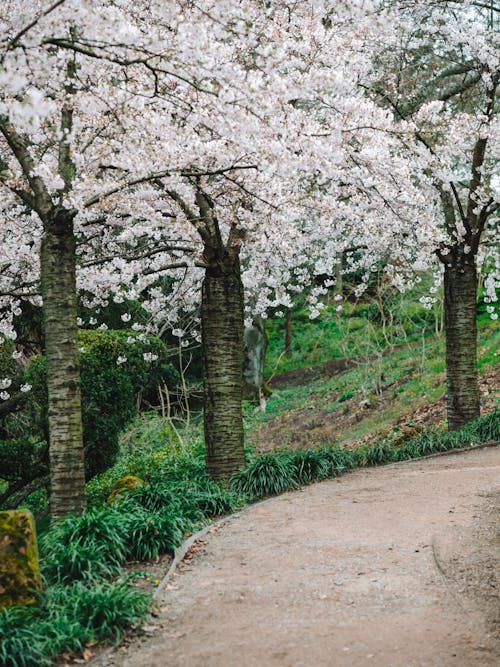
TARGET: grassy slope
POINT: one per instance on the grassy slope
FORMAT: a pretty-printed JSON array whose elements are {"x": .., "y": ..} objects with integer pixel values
[{"x": 380, "y": 391}]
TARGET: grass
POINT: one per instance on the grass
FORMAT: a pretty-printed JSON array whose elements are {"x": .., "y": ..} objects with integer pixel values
[
  {"x": 87, "y": 596},
  {"x": 408, "y": 378},
  {"x": 68, "y": 619},
  {"x": 280, "y": 471},
  {"x": 361, "y": 328}
]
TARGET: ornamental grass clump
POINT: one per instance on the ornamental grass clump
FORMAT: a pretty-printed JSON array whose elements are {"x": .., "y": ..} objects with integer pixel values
[
  {"x": 152, "y": 533},
  {"x": 487, "y": 428},
  {"x": 86, "y": 547},
  {"x": 310, "y": 465},
  {"x": 265, "y": 475}
]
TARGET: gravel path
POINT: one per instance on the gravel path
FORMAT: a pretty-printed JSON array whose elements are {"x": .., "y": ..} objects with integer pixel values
[{"x": 394, "y": 566}]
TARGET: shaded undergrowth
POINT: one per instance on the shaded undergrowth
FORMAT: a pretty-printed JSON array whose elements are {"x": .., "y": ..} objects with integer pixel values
[
  {"x": 279, "y": 471},
  {"x": 142, "y": 507},
  {"x": 146, "y": 505}
]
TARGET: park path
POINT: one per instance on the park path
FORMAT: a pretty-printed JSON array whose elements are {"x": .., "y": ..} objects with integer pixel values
[{"x": 395, "y": 566}]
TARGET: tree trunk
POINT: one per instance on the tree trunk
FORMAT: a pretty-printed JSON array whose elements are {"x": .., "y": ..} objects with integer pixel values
[
  {"x": 255, "y": 344},
  {"x": 460, "y": 293},
  {"x": 288, "y": 332},
  {"x": 222, "y": 344},
  {"x": 67, "y": 475}
]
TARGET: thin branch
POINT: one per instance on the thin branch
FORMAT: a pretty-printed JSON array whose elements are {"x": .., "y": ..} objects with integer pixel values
[
  {"x": 459, "y": 203},
  {"x": 174, "y": 265},
  {"x": 13, "y": 42},
  {"x": 156, "y": 176},
  {"x": 42, "y": 201},
  {"x": 133, "y": 257}
]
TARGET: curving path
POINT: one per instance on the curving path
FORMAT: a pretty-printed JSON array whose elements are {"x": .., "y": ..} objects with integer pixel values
[{"x": 386, "y": 567}]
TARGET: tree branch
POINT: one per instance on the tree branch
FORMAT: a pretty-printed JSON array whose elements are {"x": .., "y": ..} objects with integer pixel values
[
  {"x": 42, "y": 202},
  {"x": 157, "y": 176}
]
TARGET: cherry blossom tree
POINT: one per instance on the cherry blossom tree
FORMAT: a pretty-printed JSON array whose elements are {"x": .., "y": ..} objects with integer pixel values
[
  {"x": 438, "y": 72},
  {"x": 161, "y": 132}
]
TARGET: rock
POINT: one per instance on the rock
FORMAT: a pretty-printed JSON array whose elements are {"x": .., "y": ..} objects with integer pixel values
[
  {"x": 123, "y": 485},
  {"x": 19, "y": 566}
]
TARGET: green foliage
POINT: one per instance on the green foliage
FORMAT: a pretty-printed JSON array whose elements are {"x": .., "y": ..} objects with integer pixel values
[
  {"x": 153, "y": 453},
  {"x": 280, "y": 471},
  {"x": 22, "y": 641},
  {"x": 265, "y": 475},
  {"x": 339, "y": 460},
  {"x": 66, "y": 619},
  {"x": 151, "y": 533},
  {"x": 26, "y": 459},
  {"x": 406, "y": 378},
  {"x": 379, "y": 453},
  {"x": 310, "y": 465},
  {"x": 487, "y": 428},
  {"x": 8, "y": 366},
  {"x": 80, "y": 555},
  {"x": 109, "y": 389},
  {"x": 383, "y": 318},
  {"x": 86, "y": 547}
]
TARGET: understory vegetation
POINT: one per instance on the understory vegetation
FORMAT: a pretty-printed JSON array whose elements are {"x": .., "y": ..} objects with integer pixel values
[
  {"x": 146, "y": 505},
  {"x": 157, "y": 492}
]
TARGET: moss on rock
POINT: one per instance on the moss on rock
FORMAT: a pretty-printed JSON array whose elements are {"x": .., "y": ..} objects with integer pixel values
[
  {"x": 124, "y": 485},
  {"x": 19, "y": 566}
]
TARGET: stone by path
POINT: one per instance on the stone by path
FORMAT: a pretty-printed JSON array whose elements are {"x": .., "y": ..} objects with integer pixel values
[{"x": 394, "y": 566}]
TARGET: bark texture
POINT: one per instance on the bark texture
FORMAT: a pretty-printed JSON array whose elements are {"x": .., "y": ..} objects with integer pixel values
[
  {"x": 58, "y": 261},
  {"x": 222, "y": 342},
  {"x": 460, "y": 288}
]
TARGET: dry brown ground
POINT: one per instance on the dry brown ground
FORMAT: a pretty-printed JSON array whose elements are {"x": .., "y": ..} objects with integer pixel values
[{"x": 388, "y": 567}]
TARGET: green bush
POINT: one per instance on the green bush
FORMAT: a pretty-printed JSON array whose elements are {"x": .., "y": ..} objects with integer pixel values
[
  {"x": 265, "y": 475},
  {"x": 86, "y": 547},
  {"x": 310, "y": 465},
  {"x": 109, "y": 389},
  {"x": 280, "y": 471},
  {"x": 23, "y": 459},
  {"x": 152, "y": 533},
  {"x": 487, "y": 427}
]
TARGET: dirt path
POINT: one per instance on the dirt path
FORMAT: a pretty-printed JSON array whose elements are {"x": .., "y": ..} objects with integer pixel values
[{"x": 388, "y": 567}]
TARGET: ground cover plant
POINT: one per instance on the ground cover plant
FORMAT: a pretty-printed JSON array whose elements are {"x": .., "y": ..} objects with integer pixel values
[
  {"x": 145, "y": 505},
  {"x": 279, "y": 471},
  {"x": 88, "y": 595},
  {"x": 384, "y": 385}
]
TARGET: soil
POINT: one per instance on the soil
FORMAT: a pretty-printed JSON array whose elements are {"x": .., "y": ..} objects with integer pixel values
[
  {"x": 307, "y": 427},
  {"x": 393, "y": 566}
]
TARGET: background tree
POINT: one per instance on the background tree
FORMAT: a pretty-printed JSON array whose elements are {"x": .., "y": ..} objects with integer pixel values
[{"x": 440, "y": 79}]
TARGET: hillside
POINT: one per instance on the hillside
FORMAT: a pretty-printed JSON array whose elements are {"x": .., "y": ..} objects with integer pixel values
[{"x": 390, "y": 382}]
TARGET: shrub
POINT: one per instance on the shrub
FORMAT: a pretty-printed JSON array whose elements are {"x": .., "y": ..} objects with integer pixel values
[
  {"x": 265, "y": 475},
  {"x": 310, "y": 465},
  {"x": 21, "y": 639},
  {"x": 488, "y": 427},
  {"x": 339, "y": 460},
  {"x": 379, "y": 453},
  {"x": 66, "y": 619},
  {"x": 151, "y": 533},
  {"x": 25, "y": 459},
  {"x": 86, "y": 547},
  {"x": 109, "y": 389}
]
